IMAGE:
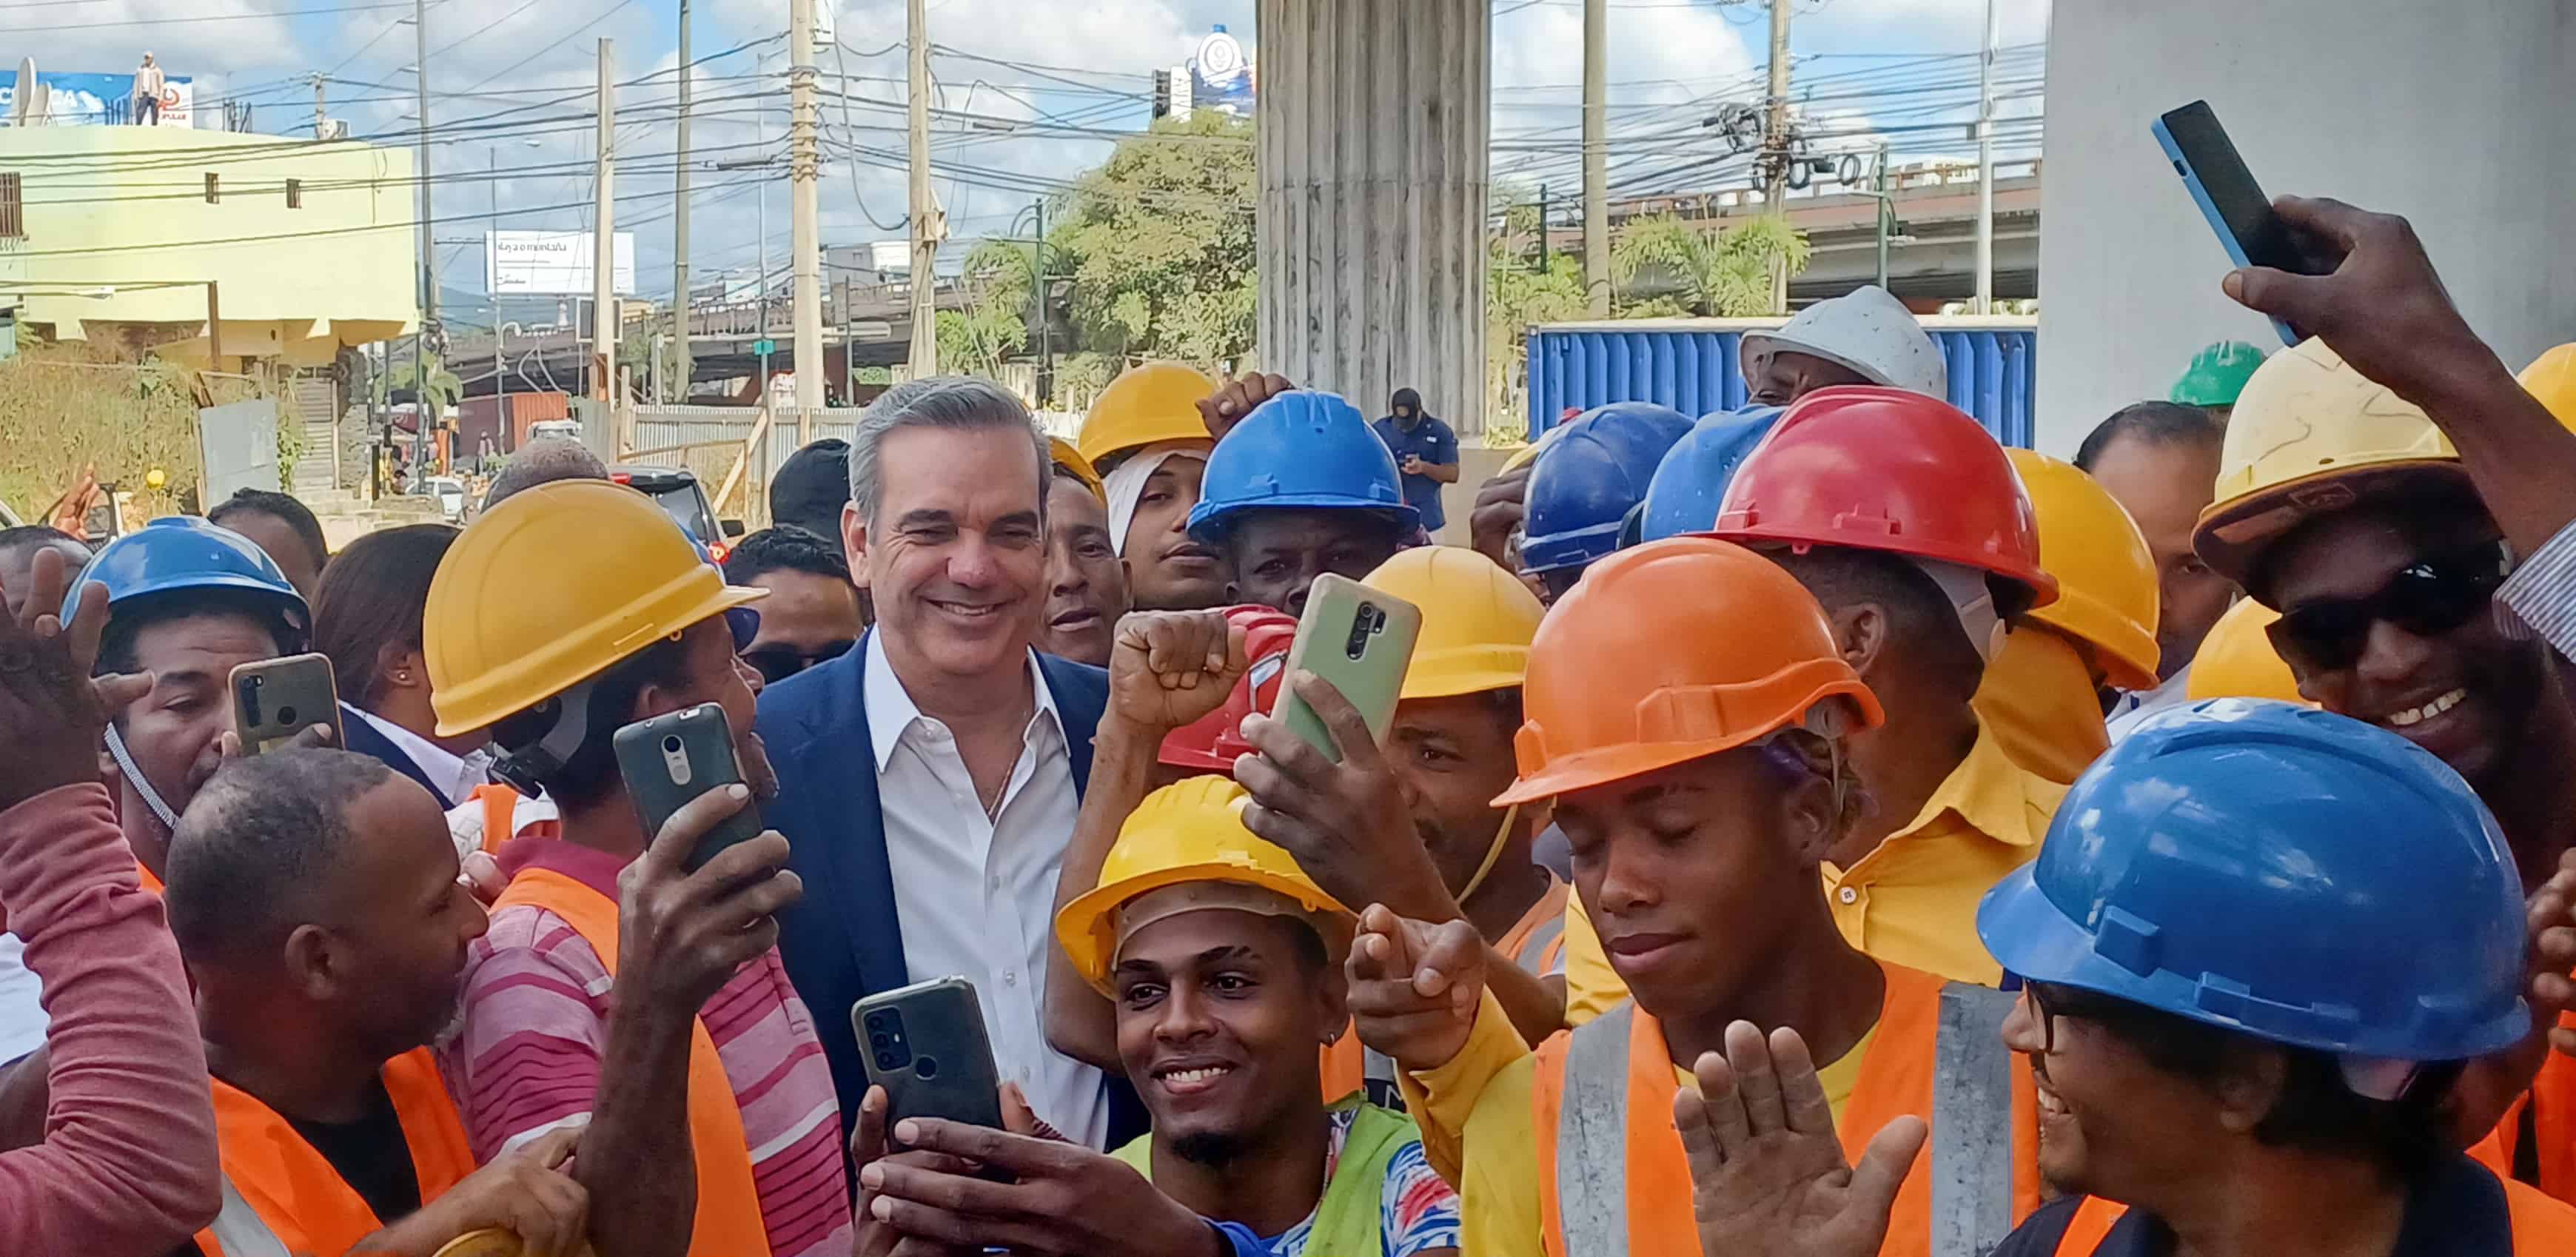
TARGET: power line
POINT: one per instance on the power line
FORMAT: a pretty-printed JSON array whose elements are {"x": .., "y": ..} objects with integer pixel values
[{"x": 209, "y": 17}]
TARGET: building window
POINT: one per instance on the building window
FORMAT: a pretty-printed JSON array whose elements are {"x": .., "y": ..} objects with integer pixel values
[
  {"x": 213, "y": 193},
  {"x": 13, "y": 218},
  {"x": 294, "y": 194}
]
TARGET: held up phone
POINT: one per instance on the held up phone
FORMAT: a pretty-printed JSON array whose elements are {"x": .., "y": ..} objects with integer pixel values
[
  {"x": 670, "y": 759},
  {"x": 925, "y": 1044},
  {"x": 275, "y": 699},
  {"x": 1361, "y": 641},
  {"x": 2233, "y": 202}
]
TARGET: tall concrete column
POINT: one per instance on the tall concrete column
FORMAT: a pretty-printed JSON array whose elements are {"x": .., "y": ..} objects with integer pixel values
[
  {"x": 1371, "y": 225},
  {"x": 2459, "y": 116}
]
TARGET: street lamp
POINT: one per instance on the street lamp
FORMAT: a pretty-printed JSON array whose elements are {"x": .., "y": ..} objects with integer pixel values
[{"x": 1038, "y": 294}]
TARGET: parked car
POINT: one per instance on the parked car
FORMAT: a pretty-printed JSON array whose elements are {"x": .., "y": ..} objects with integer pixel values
[
  {"x": 676, "y": 491},
  {"x": 450, "y": 492}
]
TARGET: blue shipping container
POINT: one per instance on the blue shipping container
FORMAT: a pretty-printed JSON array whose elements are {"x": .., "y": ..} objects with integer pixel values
[{"x": 1691, "y": 366}]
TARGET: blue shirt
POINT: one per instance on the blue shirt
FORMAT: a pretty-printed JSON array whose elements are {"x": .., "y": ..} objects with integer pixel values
[{"x": 1431, "y": 441}]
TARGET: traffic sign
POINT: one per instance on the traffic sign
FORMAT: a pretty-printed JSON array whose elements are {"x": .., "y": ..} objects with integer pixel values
[{"x": 764, "y": 347}]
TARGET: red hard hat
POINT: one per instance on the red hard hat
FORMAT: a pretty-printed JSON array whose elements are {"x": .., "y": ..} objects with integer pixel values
[
  {"x": 1214, "y": 741},
  {"x": 1868, "y": 468}
]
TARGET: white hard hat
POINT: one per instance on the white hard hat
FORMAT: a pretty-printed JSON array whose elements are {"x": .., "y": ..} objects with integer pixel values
[{"x": 1867, "y": 330}]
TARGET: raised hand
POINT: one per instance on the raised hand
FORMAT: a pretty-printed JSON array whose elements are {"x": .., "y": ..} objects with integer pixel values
[
  {"x": 1768, "y": 1177},
  {"x": 1346, "y": 822},
  {"x": 1228, "y": 405},
  {"x": 1415, "y": 986},
  {"x": 52, "y": 712},
  {"x": 1168, "y": 668},
  {"x": 2383, "y": 308},
  {"x": 681, "y": 935}
]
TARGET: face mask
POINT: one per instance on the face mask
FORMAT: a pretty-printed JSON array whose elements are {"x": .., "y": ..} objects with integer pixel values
[{"x": 1973, "y": 598}]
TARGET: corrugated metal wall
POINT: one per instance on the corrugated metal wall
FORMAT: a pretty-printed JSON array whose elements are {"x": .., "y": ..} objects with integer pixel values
[{"x": 1691, "y": 366}]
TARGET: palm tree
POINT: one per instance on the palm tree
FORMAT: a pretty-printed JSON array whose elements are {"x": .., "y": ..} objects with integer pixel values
[{"x": 1724, "y": 273}]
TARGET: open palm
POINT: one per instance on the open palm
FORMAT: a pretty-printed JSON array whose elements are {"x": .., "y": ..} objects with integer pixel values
[{"x": 1768, "y": 1177}]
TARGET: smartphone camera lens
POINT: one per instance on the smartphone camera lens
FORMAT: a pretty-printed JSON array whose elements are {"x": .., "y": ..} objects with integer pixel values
[
  {"x": 888, "y": 1061},
  {"x": 878, "y": 1039},
  {"x": 286, "y": 715},
  {"x": 670, "y": 744}
]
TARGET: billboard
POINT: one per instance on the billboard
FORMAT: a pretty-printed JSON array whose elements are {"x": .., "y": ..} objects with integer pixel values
[
  {"x": 551, "y": 263},
  {"x": 89, "y": 100},
  {"x": 1221, "y": 77}
]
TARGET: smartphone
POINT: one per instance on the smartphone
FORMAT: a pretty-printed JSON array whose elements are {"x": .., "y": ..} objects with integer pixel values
[
  {"x": 2233, "y": 202},
  {"x": 1361, "y": 641},
  {"x": 275, "y": 699},
  {"x": 670, "y": 759},
  {"x": 926, "y": 1046}
]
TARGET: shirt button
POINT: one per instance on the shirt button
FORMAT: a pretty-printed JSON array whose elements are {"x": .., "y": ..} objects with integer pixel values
[
  {"x": 1847, "y": 895},
  {"x": 994, "y": 882},
  {"x": 1010, "y": 977}
]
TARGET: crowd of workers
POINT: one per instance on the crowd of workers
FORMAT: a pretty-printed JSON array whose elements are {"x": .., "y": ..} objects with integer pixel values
[{"x": 2175, "y": 843}]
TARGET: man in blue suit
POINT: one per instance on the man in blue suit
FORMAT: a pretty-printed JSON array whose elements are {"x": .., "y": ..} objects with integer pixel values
[{"x": 929, "y": 777}]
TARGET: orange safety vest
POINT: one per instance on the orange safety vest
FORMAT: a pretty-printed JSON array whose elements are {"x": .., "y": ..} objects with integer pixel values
[
  {"x": 281, "y": 1196},
  {"x": 1896, "y": 1078},
  {"x": 728, "y": 1221},
  {"x": 2542, "y": 1227},
  {"x": 2550, "y": 1108},
  {"x": 150, "y": 883}
]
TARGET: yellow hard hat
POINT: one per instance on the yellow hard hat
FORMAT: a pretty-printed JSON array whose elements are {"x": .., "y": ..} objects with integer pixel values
[
  {"x": 2551, "y": 377},
  {"x": 1187, "y": 834},
  {"x": 1477, "y": 620},
  {"x": 2106, "y": 576},
  {"x": 1149, "y": 402},
  {"x": 2310, "y": 436},
  {"x": 553, "y": 587},
  {"x": 2236, "y": 660},
  {"x": 1071, "y": 459}
]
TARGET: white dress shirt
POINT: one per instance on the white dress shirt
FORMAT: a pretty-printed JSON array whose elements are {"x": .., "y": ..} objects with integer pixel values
[
  {"x": 977, "y": 894},
  {"x": 2134, "y": 706},
  {"x": 22, "y": 1017},
  {"x": 454, "y": 775}
]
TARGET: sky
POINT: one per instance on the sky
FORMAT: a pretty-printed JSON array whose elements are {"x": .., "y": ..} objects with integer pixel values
[{"x": 512, "y": 80}]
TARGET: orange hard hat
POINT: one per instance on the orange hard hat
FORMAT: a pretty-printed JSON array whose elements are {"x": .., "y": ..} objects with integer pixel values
[
  {"x": 1668, "y": 652},
  {"x": 1214, "y": 741},
  {"x": 1867, "y": 468}
]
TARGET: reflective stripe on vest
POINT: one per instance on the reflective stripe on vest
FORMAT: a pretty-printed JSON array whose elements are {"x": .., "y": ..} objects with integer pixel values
[
  {"x": 1592, "y": 1137},
  {"x": 1972, "y": 1112},
  {"x": 1538, "y": 952},
  {"x": 238, "y": 1232}
]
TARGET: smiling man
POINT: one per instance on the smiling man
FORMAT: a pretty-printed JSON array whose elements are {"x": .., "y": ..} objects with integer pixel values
[
  {"x": 1086, "y": 589},
  {"x": 928, "y": 779}
]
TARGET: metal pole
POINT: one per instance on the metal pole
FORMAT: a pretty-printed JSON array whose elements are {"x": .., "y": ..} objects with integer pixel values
[
  {"x": 1542, "y": 229},
  {"x": 1046, "y": 334},
  {"x": 682, "y": 364},
  {"x": 804, "y": 174},
  {"x": 1986, "y": 168},
  {"x": 1775, "y": 144},
  {"x": 763, "y": 320},
  {"x": 500, "y": 386},
  {"x": 320, "y": 117},
  {"x": 1596, "y": 156},
  {"x": 428, "y": 247},
  {"x": 926, "y": 224},
  {"x": 1886, "y": 213},
  {"x": 603, "y": 253}
]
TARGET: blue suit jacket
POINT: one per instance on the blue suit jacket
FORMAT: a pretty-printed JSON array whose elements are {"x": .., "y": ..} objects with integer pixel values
[
  {"x": 357, "y": 735},
  {"x": 844, "y": 940}
]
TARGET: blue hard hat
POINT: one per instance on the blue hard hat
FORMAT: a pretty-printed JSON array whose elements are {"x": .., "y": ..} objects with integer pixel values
[
  {"x": 1692, "y": 479},
  {"x": 178, "y": 552},
  {"x": 1585, "y": 481},
  {"x": 1299, "y": 450},
  {"x": 2283, "y": 872}
]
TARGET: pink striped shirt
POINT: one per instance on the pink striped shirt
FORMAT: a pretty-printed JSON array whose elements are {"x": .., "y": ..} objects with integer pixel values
[{"x": 526, "y": 1057}]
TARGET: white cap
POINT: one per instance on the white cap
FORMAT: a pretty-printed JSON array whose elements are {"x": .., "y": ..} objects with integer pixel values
[{"x": 1867, "y": 330}]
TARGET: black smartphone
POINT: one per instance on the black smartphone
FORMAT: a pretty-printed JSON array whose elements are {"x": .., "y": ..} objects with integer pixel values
[
  {"x": 2233, "y": 202},
  {"x": 925, "y": 1044},
  {"x": 670, "y": 759}
]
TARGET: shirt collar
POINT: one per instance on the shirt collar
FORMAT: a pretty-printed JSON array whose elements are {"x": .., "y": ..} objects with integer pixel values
[
  {"x": 892, "y": 713},
  {"x": 1988, "y": 791},
  {"x": 435, "y": 761},
  {"x": 590, "y": 866}
]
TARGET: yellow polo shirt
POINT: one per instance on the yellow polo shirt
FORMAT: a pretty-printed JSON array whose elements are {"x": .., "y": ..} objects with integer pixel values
[
  {"x": 1913, "y": 900},
  {"x": 1484, "y": 1091}
]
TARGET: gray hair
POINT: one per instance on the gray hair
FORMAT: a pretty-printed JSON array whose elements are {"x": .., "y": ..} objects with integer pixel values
[
  {"x": 957, "y": 402},
  {"x": 544, "y": 461}
]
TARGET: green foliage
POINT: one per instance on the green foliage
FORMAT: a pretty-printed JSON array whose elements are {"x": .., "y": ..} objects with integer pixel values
[
  {"x": 876, "y": 375},
  {"x": 444, "y": 389},
  {"x": 1080, "y": 377},
  {"x": 994, "y": 324},
  {"x": 70, "y": 406},
  {"x": 1158, "y": 243},
  {"x": 1518, "y": 293},
  {"x": 1670, "y": 266}
]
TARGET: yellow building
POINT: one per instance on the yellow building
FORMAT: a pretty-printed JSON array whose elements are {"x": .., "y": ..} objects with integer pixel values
[{"x": 112, "y": 234}]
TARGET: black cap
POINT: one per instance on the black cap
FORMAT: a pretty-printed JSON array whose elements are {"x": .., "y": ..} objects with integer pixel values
[{"x": 813, "y": 486}]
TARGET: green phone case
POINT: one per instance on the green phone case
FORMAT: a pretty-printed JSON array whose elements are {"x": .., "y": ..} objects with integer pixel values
[{"x": 1361, "y": 641}]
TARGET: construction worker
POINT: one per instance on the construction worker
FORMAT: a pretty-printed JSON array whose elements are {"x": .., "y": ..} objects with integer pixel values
[
  {"x": 2215, "y": 376},
  {"x": 1086, "y": 587},
  {"x": 564, "y": 613},
  {"x": 1495, "y": 521},
  {"x": 315, "y": 898},
  {"x": 1865, "y": 336},
  {"x": 187, "y": 602},
  {"x": 1583, "y": 486},
  {"x": 1683, "y": 495},
  {"x": 2043, "y": 696},
  {"x": 2159, "y": 460},
  {"x": 2237, "y": 660},
  {"x": 1703, "y": 780},
  {"x": 2343, "y": 507},
  {"x": 1300, "y": 487},
  {"x": 1145, "y": 437}
]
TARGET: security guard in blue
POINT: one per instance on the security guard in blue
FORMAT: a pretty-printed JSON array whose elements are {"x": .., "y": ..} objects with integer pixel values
[
  {"x": 1426, "y": 453},
  {"x": 1584, "y": 484},
  {"x": 1300, "y": 487},
  {"x": 2256, "y": 950}
]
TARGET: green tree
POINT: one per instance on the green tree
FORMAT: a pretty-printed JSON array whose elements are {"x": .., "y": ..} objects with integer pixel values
[
  {"x": 1158, "y": 243},
  {"x": 1520, "y": 291},
  {"x": 401, "y": 368},
  {"x": 1665, "y": 265},
  {"x": 994, "y": 324}
]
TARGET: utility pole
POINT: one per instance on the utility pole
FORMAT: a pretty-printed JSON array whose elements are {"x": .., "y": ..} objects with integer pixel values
[
  {"x": 500, "y": 390},
  {"x": 423, "y": 418},
  {"x": 927, "y": 224},
  {"x": 1046, "y": 332},
  {"x": 1775, "y": 144},
  {"x": 1596, "y": 154},
  {"x": 1986, "y": 168},
  {"x": 683, "y": 365},
  {"x": 603, "y": 253},
  {"x": 1886, "y": 213},
  {"x": 321, "y": 118},
  {"x": 1542, "y": 229},
  {"x": 804, "y": 179}
]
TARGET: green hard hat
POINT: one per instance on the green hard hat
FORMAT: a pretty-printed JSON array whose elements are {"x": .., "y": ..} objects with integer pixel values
[{"x": 2217, "y": 374}]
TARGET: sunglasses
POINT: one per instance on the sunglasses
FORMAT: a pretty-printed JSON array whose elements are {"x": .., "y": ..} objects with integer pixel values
[
  {"x": 2431, "y": 596},
  {"x": 777, "y": 663}
]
